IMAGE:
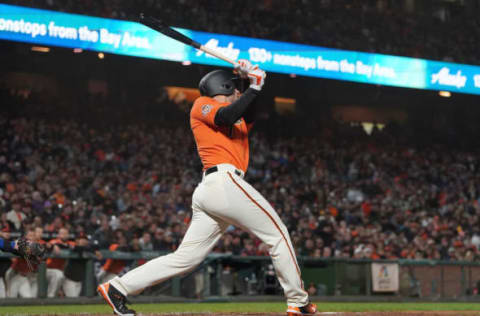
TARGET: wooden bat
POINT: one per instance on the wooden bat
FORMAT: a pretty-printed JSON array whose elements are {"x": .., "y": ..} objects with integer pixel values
[{"x": 160, "y": 26}]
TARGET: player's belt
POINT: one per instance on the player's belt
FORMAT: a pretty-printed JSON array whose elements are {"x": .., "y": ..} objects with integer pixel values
[{"x": 215, "y": 169}]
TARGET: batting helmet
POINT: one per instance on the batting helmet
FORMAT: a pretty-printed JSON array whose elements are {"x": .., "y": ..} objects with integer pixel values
[{"x": 220, "y": 82}]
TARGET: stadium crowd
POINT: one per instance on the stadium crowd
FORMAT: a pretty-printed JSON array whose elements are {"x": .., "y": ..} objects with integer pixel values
[
  {"x": 361, "y": 197},
  {"x": 385, "y": 27},
  {"x": 128, "y": 187}
]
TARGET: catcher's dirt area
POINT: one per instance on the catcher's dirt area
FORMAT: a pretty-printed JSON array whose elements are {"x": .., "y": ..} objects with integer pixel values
[{"x": 412, "y": 313}]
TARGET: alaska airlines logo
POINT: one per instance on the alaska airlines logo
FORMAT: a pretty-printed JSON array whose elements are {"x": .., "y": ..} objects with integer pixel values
[
  {"x": 228, "y": 51},
  {"x": 444, "y": 77}
]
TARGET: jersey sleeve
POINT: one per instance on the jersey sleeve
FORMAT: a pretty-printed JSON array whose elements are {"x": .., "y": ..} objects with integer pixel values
[{"x": 204, "y": 109}]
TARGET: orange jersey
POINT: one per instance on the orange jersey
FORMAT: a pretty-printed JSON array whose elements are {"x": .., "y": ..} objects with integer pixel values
[
  {"x": 113, "y": 265},
  {"x": 218, "y": 144},
  {"x": 58, "y": 263}
]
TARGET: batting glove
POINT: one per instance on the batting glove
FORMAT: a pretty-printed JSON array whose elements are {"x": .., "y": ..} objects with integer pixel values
[
  {"x": 257, "y": 78},
  {"x": 243, "y": 67}
]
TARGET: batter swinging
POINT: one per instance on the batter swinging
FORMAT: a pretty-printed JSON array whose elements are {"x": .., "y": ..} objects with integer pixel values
[{"x": 220, "y": 120}]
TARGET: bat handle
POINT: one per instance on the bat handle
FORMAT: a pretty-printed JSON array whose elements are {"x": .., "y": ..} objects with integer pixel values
[{"x": 218, "y": 55}]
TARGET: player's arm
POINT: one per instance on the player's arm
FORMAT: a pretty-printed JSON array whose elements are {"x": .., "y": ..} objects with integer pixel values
[
  {"x": 251, "y": 113},
  {"x": 228, "y": 115}
]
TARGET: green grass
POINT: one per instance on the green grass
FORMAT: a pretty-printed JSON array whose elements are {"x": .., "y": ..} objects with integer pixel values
[{"x": 237, "y": 308}]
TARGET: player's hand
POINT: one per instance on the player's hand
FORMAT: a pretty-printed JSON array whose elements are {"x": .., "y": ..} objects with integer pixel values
[
  {"x": 257, "y": 78},
  {"x": 243, "y": 67}
]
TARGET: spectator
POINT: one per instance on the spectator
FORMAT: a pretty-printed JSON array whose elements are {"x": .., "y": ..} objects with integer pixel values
[
  {"x": 55, "y": 266},
  {"x": 114, "y": 267},
  {"x": 16, "y": 216},
  {"x": 75, "y": 268},
  {"x": 20, "y": 280},
  {"x": 146, "y": 242}
]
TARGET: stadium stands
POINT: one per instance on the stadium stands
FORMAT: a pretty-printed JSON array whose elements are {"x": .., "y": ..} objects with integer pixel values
[{"x": 342, "y": 193}]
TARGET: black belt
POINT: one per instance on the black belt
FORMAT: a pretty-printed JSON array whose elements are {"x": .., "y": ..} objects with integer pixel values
[{"x": 215, "y": 169}]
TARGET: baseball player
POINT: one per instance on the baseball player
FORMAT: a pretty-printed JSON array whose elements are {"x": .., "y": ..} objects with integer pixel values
[
  {"x": 113, "y": 267},
  {"x": 75, "y": 267},
  {"x": 55, "y": 266},
  {"x": 21, "y": 279},
  {"x": 221, "y": 120}
]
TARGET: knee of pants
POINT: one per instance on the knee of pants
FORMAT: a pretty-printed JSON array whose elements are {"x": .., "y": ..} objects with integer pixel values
[
  {"x": 275, "y": 235},
  {"x": 274, "y": 243}
]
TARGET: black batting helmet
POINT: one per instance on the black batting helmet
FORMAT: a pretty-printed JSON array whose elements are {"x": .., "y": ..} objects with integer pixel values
[{"x": 220, "y": 82}]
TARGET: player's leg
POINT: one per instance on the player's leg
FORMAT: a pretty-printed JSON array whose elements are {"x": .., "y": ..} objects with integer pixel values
[
  {"x": 3, "y": 289},
  {"x": 71, "y": 288},
  {"x": 199, "y": 279},
  {"x": 201, "y": 236},
  {"x": 25, "y": 290},
  {"x": 34, "y": 284},
  {"x": 246, "y": 208},
  {"x": 107, "y": 277},
  {"x": 12, "y": 282},
  {"x": 54, "y": 280}
]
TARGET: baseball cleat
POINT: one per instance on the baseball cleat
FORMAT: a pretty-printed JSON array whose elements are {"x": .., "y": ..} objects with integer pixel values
[
  {"x": 309, "y": 309},
  {"x": 115, "y": 299}
]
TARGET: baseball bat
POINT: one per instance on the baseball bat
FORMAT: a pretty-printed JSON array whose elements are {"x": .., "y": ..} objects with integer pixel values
[{"x": 160, "y": 26}]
